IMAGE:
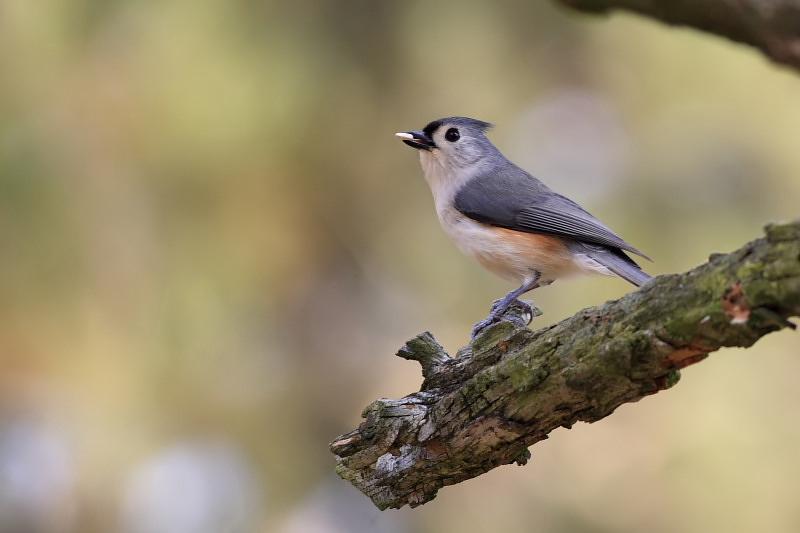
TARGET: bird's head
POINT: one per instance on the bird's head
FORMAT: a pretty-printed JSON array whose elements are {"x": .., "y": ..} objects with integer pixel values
[{"x": 452, "y": 143}]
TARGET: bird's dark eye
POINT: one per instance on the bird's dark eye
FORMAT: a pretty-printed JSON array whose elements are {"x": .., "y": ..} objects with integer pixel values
[{"x": 452, "y": 135}]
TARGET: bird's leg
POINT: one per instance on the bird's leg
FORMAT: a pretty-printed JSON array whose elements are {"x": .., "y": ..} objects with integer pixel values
[{"x": 500, "y": 306}]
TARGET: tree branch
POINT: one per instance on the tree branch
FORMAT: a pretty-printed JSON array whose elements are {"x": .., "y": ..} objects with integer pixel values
[
  {"x": 773, "y": 26},
  {"x": 512, "y": 386}
]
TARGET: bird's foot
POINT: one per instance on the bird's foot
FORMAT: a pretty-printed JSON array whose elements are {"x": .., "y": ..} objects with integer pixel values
[
  {"x": 495, "y": 304},
  {"x": 483, "y": 324},
  {"x": 523, "y": 313},
  {"x": 525, "y": 308}
]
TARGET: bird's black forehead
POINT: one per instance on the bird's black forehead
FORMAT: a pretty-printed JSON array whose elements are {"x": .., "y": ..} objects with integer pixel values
[
  {"x": 465, "y": 122},
  {"x": 431, "y": 128}
]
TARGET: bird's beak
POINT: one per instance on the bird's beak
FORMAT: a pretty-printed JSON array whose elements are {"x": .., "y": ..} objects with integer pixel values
[{"x": 417, "y": 139}]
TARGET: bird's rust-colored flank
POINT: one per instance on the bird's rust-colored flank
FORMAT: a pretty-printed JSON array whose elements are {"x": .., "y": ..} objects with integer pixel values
[{"x": 519, "y": 250}]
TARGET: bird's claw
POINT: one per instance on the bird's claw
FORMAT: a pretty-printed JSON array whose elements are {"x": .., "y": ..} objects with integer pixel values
[
  {"x": 483, "y": 324},
  {"x": 527, "y": 309},
  {"x": 495, "y": 305},
  {"x": 495, "y": 316}
]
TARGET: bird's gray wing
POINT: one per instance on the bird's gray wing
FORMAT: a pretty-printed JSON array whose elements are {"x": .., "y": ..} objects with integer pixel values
[
  {"x": 613, "y": 259},
  {"x": 511, "y": 198}
]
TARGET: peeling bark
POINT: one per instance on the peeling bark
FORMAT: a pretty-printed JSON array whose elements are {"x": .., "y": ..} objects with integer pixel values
[
  {"x": 512, "y": 386},
  {"x": 772, "y": 26}
]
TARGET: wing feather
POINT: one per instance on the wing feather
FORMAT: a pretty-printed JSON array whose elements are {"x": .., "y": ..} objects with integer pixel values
[{"x": 511, "y": 198}]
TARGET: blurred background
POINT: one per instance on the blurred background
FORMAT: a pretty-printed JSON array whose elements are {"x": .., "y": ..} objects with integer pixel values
[{"x": 212, "y": 246}]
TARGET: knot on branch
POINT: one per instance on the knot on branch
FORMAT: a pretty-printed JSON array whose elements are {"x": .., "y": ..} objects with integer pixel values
[
  {"x": 427, "y": 351},
  {"x": 439, "y": 370}
]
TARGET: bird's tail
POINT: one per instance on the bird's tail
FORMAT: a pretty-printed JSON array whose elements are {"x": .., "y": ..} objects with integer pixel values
[{"x": 619, "y": 263}]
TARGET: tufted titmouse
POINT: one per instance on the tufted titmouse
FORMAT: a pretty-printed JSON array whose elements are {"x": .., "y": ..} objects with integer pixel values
[{"x": 509, "y": 221}]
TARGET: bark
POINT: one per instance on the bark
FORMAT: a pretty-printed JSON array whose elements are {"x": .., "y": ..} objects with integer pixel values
[
  {"x": 512, "y": 386},
  {"x": 772, "y": 26}
]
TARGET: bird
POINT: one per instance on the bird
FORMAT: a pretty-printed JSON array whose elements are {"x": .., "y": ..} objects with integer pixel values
[{"x": 513, "y": 224}]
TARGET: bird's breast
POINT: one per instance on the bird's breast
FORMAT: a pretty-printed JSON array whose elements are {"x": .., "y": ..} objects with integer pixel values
[{"x": 510, "y": 254}]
